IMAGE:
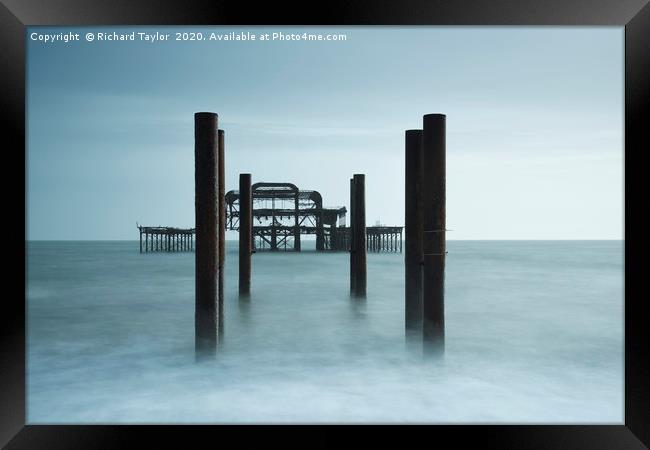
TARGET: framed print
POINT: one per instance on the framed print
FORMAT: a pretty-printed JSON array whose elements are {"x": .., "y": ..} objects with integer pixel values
[{"x": 411, "y": 218}]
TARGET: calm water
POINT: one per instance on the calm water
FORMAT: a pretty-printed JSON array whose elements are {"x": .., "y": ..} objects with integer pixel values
[{"x": 534, "y": 334}]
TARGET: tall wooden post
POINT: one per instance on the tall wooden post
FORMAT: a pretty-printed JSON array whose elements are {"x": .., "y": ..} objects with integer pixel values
[
  {"x": 245, "y": 233},
  {"x": 353, "y": 261},
  {"x": 433, "y": 233},
  {"x": 206, "y": 185},
  {"x": 222, "y": 226},
  {"x": 359, "y": 181},
  {"x": 413, "y": 232}
]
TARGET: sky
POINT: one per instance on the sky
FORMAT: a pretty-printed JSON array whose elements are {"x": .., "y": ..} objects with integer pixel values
[{"x": 534, "y": 124}]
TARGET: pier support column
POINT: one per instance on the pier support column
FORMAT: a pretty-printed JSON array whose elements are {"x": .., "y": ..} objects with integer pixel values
[
  {"x": 353, "y": 261},
  {"x": 413, "y": 231},
  {"x": 206, "y": 186},
  {"x": 245, "y": 233},
  {"x": 222, "y": 226},
  {"x": 320, "y": 232},
  {"x": 433, "y": 233},
  {"x": 359, "y": 253}
]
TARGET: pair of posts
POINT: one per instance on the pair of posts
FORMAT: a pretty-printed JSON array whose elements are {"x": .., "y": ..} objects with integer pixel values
[
  {"x": 210, "y": 220},
  {"x": 425, "y": 221}
]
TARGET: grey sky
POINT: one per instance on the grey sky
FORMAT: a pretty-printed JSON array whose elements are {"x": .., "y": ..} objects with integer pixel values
[{"x": 534, "y": 125}]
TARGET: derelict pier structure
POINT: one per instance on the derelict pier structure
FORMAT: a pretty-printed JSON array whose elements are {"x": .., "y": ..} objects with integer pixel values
[{"x": 282, "y": 213}]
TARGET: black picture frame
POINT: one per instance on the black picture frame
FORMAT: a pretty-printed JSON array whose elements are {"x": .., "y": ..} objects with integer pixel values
[{"x": 634, "y": 15}]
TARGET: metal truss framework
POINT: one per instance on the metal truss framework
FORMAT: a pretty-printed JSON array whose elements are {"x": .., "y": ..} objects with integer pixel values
[{"x": 282, "y": 213}]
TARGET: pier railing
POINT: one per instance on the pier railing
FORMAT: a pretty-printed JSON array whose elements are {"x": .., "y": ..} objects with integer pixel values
[{"x": 166, "y": 239}]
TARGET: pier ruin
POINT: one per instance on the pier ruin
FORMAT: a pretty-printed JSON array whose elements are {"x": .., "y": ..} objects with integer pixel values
[
  {"x": 282, "y": 213},
  {"x": 166, "y": 239}
]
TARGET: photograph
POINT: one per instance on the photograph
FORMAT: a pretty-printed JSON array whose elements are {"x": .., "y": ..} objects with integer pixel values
[
  {"x": 349, "y": 224},
  {"x": 279, "y": 225}
]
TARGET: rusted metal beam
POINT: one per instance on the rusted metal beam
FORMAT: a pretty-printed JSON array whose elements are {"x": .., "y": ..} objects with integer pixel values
[
  {"x": 359, "y": 253},
  {"x": 245, "y": 233},
  {"x": 433, "y": 233},
  {"x": 222, "y": 225},
  {"x": 206, "y": 185},
  {"x": 413, "y": 235},
  {"x": 353, "y": 261}
]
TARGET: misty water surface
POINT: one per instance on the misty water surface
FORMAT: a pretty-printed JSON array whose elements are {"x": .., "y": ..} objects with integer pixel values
[{"x": 534, "y": 334}]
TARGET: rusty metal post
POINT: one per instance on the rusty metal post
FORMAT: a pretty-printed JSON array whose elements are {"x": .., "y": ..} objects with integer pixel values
[
  {"x": 296, "y": 233},
  {"x": 206, "y": 185},
  {"x": 433, "y": 233},
  {"x": 413, "y": 235},
  {"x": 353, "y": 271},
  {"x": 245, "y": 233},
  {"x": 222, "y": 225},
  {"x": 360, "y": 235}
]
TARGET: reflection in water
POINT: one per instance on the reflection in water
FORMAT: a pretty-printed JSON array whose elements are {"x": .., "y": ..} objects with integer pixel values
[
  {"x": 244, "y": 304},
  {"x": 358, "y": 306},
  {"x": 533, "y": 334}
]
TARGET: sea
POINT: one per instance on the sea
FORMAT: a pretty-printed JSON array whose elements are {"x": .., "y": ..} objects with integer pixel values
[{"x": 533, "y": 334}]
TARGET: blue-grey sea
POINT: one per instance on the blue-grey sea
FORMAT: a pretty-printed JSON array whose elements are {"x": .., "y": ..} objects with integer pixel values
[{"x": 534, "y": 333}]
